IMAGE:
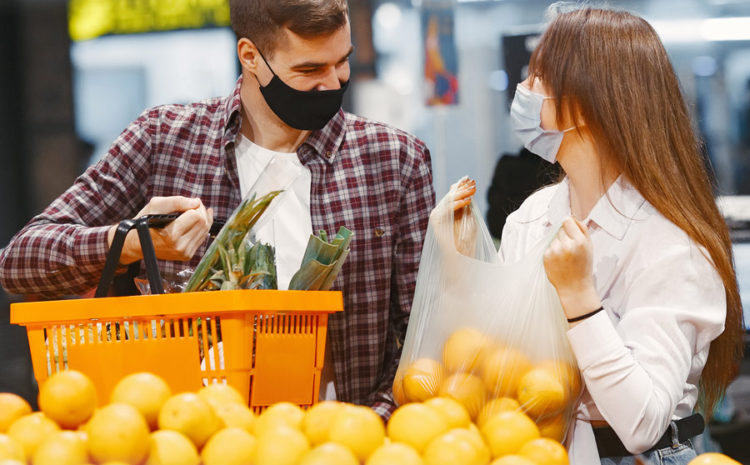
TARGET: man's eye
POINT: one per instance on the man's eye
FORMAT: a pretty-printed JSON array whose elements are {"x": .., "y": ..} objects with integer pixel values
[{"x": 308, "y": 70}]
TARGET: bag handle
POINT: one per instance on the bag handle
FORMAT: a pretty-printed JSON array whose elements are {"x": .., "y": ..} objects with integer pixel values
[{"x": 142, "y": 225}]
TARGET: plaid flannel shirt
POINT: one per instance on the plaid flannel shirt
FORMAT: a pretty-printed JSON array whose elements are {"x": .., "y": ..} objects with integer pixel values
[{"x": 372, "y": 178}]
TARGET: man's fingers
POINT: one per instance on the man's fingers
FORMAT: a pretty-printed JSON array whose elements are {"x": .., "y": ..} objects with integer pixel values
[{"x": 178, "y": 203}]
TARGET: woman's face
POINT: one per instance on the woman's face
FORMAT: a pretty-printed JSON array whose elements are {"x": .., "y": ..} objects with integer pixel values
[{"x": 549, "y": 113}]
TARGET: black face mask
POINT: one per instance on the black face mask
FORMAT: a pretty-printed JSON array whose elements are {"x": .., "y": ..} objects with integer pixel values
[{"x": 303, "y": 110}]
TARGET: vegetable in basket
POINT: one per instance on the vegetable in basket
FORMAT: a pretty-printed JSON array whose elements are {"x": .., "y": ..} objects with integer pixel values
[
  {"x": 322, "y": 261},
  {"x": 230, "y": 262}
]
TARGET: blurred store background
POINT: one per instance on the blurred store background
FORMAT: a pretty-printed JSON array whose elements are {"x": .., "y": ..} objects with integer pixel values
[{"x": 74, "y": 73}]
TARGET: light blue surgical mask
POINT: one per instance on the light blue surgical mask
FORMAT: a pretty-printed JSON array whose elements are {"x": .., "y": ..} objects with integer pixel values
[{"x": 526, "y": 121}]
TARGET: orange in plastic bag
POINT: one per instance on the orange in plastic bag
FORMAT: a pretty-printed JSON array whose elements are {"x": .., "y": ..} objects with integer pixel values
[{"x": 488, "y": 334}]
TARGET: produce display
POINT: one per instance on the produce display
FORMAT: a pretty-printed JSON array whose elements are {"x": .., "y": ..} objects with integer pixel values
[{"x": 145, "y": 423}]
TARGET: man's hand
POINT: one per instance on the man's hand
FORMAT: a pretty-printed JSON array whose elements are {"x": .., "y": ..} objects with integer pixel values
[
  {"x": 568, "y": 262},
  {"x": 177, "y": 241}
]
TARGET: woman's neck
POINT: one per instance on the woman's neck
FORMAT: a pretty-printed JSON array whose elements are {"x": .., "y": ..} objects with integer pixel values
[{"x": 582, "y": 164}]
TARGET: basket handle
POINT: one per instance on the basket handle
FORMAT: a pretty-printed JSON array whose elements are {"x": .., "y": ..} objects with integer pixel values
[{"x": 142, "y": 225}]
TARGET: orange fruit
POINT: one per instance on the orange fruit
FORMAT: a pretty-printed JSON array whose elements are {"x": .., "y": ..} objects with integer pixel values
[
  {"x": 514, "y": 459},
  {"x": 191, "y": 416},
  {"x": 62, "y": 448},
  {"x": 171, "y": 448},
  {"x": 229, "y": 446},
  {"x": 358, "y": 428},
  {"x": 218, "y": 394},
  {"x": 506, "y": 432},
  {"x": 713, "y": 458},
  {"x": 416, "y": 425},
  {"x": 500, "y": 404},
  {"x": 463, "y": 350},
  {"x": 553, "y": 428},
  {"x": 451, "y": 410},
  {"x": 467, "y": 389},
  {"x": 502, "y": 369},
  {"x": 453, "y": 448},
  {"x": 568, "y": 375},
  {"x": 281, "y": 445},
  {"x": 236, "y": 415},
  {"x": 118, "y": 432},
  {"x": 422, "y": 380},
  {"x": 281, "y": 413},
  {"x": 544, "y": 451},
  {"x": 394, "y": 453},
  {"x": 541, "y": 393},
  {"x": 68, "y": 398},
  {"x": 399, "y": 396},
  {"x": 29, "y": 431},
  {"x": 318, "y": 419},
  {"x": 12, "y": 407},
  {"x": 145, "y": 391},
  {"x": 10, "y": 449},
  {"x": 473, "y": 435},
  {"x": 330, "y": 453}
]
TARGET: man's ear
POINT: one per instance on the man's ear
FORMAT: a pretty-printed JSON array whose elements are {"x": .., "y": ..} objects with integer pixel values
[{"x": 248, "y": 55}]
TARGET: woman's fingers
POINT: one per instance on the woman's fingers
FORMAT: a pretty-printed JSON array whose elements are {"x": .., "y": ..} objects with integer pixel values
[
  {"x": 464, "y": 192},
  {"x": 574, "y": 229}
]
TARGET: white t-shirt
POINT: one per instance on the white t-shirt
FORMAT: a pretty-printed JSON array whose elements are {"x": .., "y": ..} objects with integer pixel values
[
  {"x": 290, "y": 226},
  {"x": 641, "y": 358}
]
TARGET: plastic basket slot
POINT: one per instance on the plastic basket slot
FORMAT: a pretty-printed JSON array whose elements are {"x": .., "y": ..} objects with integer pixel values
[
  {"x": 212, "y": 351},
  {"x": 284, "y": 361}
]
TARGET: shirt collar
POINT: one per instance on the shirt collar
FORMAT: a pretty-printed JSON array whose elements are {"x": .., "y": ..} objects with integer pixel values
[
  {"x": 614, "y": 212},
  {"x": 326, "y": 142},
  {"x": 232, "y": 110}
]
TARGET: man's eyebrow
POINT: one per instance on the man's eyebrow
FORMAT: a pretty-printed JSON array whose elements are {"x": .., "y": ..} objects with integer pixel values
[{"x": 315, "y": 64}]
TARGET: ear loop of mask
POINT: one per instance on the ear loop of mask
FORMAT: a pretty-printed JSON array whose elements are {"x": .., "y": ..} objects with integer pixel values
[{"x": 546, "y": 97}]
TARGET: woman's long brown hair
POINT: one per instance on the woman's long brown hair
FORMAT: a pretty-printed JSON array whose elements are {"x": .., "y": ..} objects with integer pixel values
[{"x": 615, "y": 71}]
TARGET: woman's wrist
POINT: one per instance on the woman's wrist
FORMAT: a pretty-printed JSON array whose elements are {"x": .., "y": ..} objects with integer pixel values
[{"x": 579, "y": 303}]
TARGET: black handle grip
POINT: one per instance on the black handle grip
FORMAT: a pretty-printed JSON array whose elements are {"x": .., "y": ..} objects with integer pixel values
[{"x": 142, "y": 225}]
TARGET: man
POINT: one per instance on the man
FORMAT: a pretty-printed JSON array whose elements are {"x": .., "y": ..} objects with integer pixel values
[{"x": 197, "y": 159}]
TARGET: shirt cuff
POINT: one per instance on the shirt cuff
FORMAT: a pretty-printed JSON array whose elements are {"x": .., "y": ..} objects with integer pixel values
[{"x": 594, "y": 339}]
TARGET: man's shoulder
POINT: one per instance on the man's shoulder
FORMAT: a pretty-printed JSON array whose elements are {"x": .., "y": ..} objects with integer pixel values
[
  {"x": 211, "y": 107},
  {"x": 366, "y": 129}
]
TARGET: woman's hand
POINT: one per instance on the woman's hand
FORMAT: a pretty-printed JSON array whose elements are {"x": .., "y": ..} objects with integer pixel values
[
  {"x": 180, "y": 239},
  {"x": 457, "y": 205},
  {"x": 568, "y": 262},
  {"x": 464, "y": 226}
]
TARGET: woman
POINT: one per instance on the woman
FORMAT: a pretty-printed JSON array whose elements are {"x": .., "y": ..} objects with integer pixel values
[{"x": 642, "y": 263}]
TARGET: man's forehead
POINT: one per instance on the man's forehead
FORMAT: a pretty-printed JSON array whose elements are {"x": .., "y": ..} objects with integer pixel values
[{"x": 324, "y": 47}]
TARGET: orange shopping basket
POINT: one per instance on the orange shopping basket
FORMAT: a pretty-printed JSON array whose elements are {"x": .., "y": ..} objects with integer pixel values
[{"x": 268, "y": 344}]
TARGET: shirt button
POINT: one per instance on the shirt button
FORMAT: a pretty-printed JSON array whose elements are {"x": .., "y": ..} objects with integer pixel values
[
  {"x": 329, "y": 154},
  {"x": 379, "y": 232}
]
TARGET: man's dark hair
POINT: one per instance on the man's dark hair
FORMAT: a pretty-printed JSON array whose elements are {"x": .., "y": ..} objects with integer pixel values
[{"x": 262, "y": 20}]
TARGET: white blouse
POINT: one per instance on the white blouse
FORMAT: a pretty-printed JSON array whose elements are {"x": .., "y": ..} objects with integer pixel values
[{"x": 641, "y": 359}]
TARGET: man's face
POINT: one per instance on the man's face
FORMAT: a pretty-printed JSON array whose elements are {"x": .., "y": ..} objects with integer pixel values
[{"x": 320, "y": 63}]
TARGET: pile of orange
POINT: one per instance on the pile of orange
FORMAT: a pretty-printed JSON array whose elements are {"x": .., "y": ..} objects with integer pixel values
[
  {"x": 146, "y": 424},
  {"x": 488, "y": 376}
]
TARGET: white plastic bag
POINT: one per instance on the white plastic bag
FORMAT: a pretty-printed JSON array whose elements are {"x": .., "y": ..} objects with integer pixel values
[{"x": 488, "y": 334}]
